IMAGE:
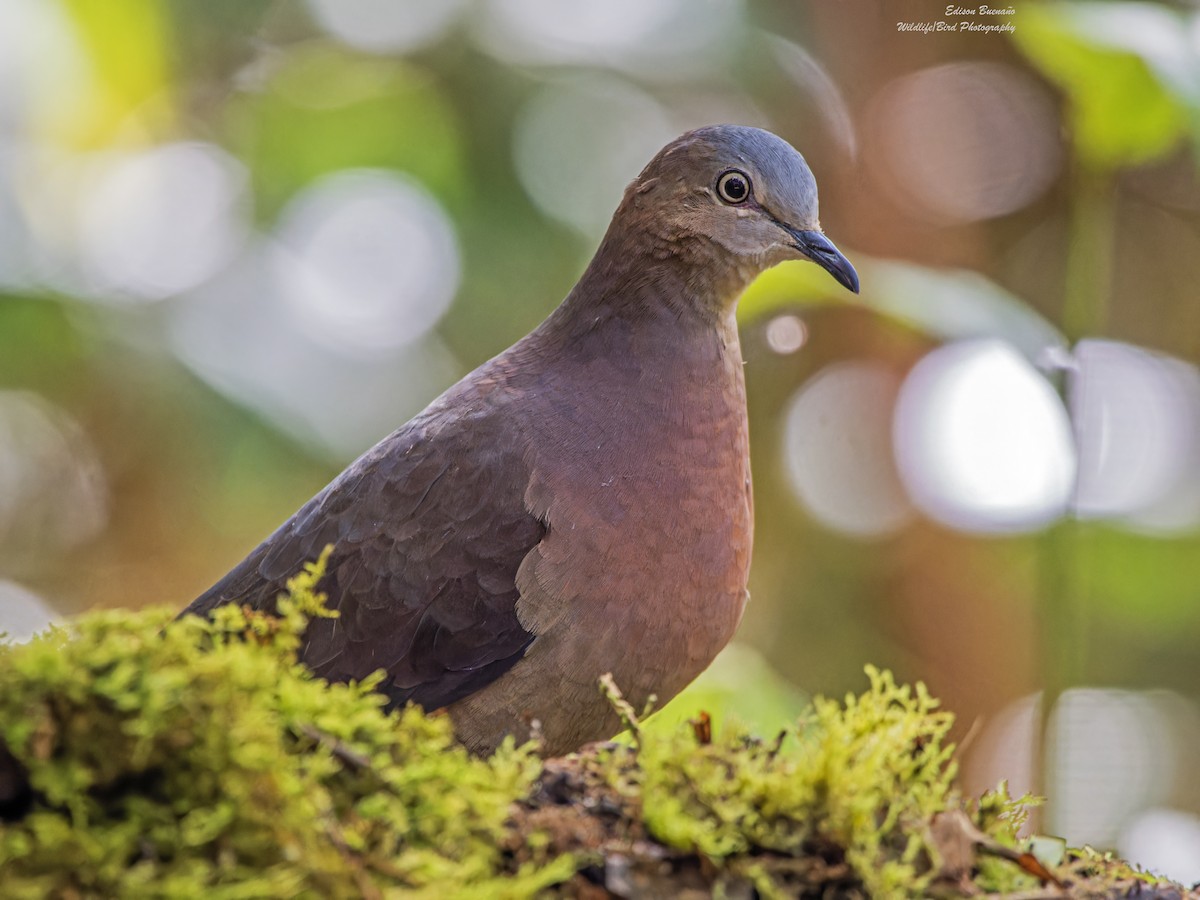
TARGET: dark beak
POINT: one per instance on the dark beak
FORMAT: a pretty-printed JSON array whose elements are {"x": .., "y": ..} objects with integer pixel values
[{"x": 820, "y": 250}]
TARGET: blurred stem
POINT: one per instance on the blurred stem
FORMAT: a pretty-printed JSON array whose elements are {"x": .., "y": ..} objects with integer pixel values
[
  {"x": 1063, "y": 638},
  {"x": 1089, "y": 254},
  {"x": 1065, "y": 606}
]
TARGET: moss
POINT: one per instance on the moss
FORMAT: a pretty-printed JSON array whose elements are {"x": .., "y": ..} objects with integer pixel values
[
  {"x": 192, "y": 758},
  {"x": 861, "y": 778},
  {"x": 186, "y": 759},
  {"x": 853, "y": 784}
]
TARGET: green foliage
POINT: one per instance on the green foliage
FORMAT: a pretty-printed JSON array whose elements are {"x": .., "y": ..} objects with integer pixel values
[
  {"x": 1143, "y": 583},
  {"x": 325, "y": 110},
  {"x": 788, "y": 285},
  {"x": 37, "y": 340},
  {"x": 858, "y": 777},
  {"x": 1128, "y": 72},
  {"x": 862, "y": 779},
  {"x": 198, "y": 758},
  {"x": 1001, "y": 817},
  {"x": 188, "y": 758}
]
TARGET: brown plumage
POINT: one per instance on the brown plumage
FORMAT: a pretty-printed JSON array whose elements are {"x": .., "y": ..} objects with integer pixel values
[{"x": 581, "y": 503}]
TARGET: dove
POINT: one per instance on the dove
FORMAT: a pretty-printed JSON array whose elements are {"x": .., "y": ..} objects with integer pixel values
[{"x": 580, "y": 504}]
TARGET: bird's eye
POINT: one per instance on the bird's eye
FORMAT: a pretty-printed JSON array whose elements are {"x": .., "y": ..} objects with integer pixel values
[{"x": 734, "y": 186}]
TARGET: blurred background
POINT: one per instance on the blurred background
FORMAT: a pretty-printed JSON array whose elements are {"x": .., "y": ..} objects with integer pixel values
[{"x": 242, "y": 240}]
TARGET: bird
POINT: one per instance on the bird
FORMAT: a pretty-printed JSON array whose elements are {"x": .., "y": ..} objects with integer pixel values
[{"x": 580, "y": 504}]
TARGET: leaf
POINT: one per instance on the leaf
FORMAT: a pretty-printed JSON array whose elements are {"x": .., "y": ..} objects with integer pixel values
[
  {"x": 790, "y": 284},
  {"x": 946, "y": 304},
  {"x": 1130, "y": 76},
  {"x": 955, "y": 304}
]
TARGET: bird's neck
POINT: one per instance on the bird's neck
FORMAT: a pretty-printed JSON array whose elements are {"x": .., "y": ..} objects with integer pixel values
[{"x": 638, "y": 275}]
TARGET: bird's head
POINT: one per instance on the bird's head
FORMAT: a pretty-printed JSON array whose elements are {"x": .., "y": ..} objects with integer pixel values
[{"x": 741, "y": 192}]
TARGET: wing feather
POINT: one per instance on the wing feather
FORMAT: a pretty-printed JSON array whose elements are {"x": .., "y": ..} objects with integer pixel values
[{"x": 428, "y": 530}]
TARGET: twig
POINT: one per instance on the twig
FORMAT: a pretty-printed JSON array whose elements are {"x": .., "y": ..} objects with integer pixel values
[
  {"x": 623, "y": 708},
  {"x": 339, "y": 749}
]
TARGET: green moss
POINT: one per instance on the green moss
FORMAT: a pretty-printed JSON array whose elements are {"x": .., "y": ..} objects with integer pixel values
[
  {"x": 856, "y": 781},
  {"x": 185, "y": 759},
  {"x": 197, "y": 758}
]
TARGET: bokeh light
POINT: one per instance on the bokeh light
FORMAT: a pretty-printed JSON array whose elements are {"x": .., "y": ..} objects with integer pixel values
[
  {"x": 956, "y": 305},
  {"x": 1109, "y": 762},
  {"x": 387, "y": 25},
  {"x": 53, "y": 490},
  {"x": 369, "y": 260},
  {"x": 240, "y": 333},
  {"x": 1164, "y": 841},
  {"x": 982, "y": 440},
  {"x": 22, "y": 613},
  {"x": 814, "y": 79},
  {"x": 160, "y": 221},
  {"x": 1137, "y": 415},
  {"x": 838, "y": 449},
  {"x": 580, "y": 141},
  {"x": 44, "y": 77},
  {"x": 671, "y": 38},
  {"x": 1116, "y": 755},
  {"x": 786, "y": 333},
  {"x": 964, "y": 141}
]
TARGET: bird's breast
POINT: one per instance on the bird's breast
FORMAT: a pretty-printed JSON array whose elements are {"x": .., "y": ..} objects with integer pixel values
[
  {"x": 644, "y": 480},
  {"x": 639, "y": 468},
  {"x": 646, "y": 490}
]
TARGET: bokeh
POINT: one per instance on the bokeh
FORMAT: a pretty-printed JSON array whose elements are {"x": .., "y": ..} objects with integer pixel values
[{"x": 241, "y": 240}]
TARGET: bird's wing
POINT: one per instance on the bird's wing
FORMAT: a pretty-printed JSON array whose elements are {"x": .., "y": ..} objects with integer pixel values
[{"x": 428, "y": 530}]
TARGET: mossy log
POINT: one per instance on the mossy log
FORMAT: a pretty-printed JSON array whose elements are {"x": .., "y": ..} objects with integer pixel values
[{"x": 145, "y": 757}]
